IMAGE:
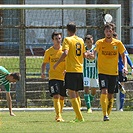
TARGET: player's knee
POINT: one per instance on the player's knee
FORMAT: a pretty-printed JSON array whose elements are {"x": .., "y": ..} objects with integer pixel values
[{"x": 104, "y": 91}]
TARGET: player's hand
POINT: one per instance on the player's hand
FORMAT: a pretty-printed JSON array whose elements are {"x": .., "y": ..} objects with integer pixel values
[
  {"x": 125, "y": 71},
  {"x": 64, "y": 72},
  {"x": 90, "y": 55},
  {"x": 42, "y": 75},
  {"x": 12, "y": 114}
]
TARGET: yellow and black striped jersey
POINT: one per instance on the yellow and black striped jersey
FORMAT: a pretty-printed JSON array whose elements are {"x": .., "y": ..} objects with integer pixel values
[
  {"x": 108, "y": 55},
  {"x": 51, "y": 56},
  {"x": 74, "y": 59}
]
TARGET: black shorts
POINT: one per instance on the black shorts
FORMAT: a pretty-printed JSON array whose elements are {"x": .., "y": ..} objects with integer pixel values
[
  {"x": 57, "y": 87},
  {"x": 74, "y": 81},
  {"x": 108, "y": 81},
  {"x": 122, "y": 78}
]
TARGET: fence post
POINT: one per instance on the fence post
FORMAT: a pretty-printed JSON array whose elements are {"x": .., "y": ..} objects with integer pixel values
[
  {"x": 22, "y": 55},
  {"x": 19, "y": 95}
]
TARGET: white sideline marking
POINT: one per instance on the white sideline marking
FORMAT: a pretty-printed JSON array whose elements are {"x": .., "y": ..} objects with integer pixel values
[{"x": 47, "y": 109}]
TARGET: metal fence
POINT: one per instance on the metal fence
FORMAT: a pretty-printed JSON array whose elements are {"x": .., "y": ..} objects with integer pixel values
[{"x": 26, "y": 33}]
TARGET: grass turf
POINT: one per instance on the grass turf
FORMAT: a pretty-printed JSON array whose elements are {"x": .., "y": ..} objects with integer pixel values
[{"x": 43, "y": 122}]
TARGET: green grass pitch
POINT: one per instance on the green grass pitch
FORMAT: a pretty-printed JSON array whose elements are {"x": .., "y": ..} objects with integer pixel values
[{"x": 43, "y": 122}]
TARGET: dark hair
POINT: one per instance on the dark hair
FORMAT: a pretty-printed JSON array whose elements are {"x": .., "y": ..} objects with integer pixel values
[
  {"x": 109, "y": 26},
  {"x": 71, "y": 27},
  {"x": 16, "y": 76},
  {"x": 115, "y": 34},
  {"x": 55, "y": 34},
  {"x": 88, "y": 37}
]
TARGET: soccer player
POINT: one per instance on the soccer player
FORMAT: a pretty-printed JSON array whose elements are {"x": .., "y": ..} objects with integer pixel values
[
  {"x": 108, "y": 50},
  {"x": 74, "y": 51},
  {"x": 122, "y": 78},
  {"x": 5, "y": 79},
  {"x": 90, "y": 74},
  {"x": 56, "y": 77}
]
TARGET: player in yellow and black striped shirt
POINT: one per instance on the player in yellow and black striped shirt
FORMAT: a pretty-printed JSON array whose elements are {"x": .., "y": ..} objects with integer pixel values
[
  {"x": 108, "y": 50},
  {"x": 74, "y": 52},
  {"x": 56, "y": 77}
]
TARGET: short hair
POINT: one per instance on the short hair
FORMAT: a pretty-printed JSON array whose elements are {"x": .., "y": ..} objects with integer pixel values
[
  {"x": 109, "y": 26},
  {"x": 88, "y": 37},
  {"x": 115, "y": 34},
  {"x": 55, "y": 34},
  {"x": 16, "y": 76},
  {"x": 71, "y": 27}
]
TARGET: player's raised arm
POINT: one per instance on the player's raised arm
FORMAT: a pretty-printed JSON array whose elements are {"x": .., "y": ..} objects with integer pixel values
[
  {"x": 90, "y": 55},
  {"x": 63, "y": 56}
]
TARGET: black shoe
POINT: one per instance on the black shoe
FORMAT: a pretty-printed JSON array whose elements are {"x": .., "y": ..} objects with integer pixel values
[
  {"x": 121, "y": 88},
  {"x": 105, "y": 118}
]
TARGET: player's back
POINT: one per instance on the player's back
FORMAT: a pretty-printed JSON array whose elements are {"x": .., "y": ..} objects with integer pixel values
[
  {"x": 74, "y": 60},
  {"x": 3, "y": 74}
]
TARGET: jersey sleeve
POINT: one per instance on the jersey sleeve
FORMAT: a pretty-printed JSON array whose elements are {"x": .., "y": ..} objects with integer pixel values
[
  {"x": 122, "y": 48},
  {"x": 126, "y": 53},
  {"x": 7, "y": 87},
  {"x": 129, "y": 61},
  {"x": 46, "y": 57},
  {"x": 84, "y": 48},
  {"x": 3, "y": 70},
  {"x": 65, "y": 45},
  {"x": 96, "y": 48}
]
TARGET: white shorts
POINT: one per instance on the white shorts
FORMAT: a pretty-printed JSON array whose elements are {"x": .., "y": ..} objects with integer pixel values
[{"x": 92, "y": 83}]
